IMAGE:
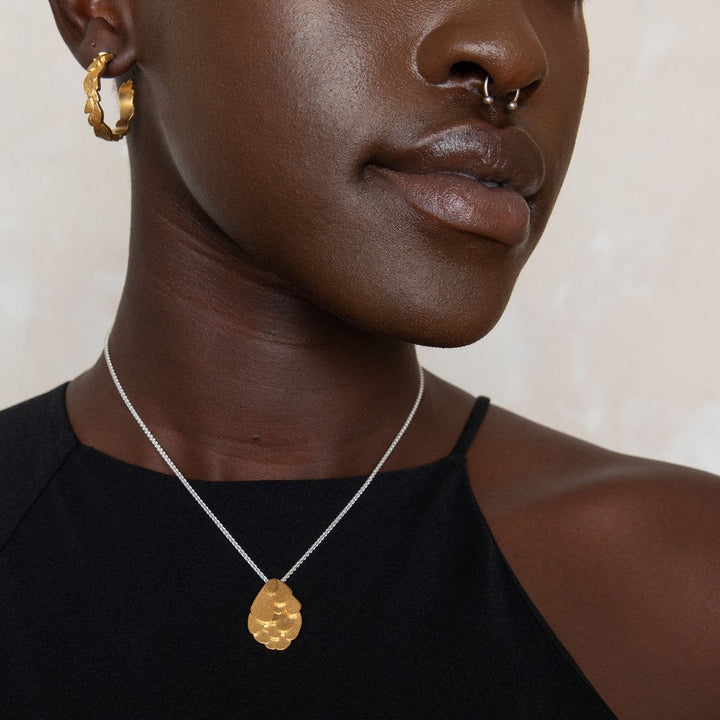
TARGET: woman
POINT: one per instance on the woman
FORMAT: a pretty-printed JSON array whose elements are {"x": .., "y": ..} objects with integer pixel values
[{"x": 318, "y": 187}]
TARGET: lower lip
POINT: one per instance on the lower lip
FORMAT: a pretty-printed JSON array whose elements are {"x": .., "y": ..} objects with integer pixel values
[{"x": 465, "y": 204}]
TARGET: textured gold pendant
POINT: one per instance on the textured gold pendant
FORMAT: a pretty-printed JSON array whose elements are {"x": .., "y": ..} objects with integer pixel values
[{"x": 275, "y": 618}]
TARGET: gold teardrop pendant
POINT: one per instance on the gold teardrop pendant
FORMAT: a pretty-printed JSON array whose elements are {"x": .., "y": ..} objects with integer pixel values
[{"x": 275, "y": 619}]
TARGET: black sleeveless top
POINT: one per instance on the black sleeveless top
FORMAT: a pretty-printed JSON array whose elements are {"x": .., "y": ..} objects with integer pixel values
[{"x": 120, "y": 599}]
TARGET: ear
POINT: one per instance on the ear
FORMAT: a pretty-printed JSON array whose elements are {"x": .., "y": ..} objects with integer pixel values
[{"x": 93, "y": 26}]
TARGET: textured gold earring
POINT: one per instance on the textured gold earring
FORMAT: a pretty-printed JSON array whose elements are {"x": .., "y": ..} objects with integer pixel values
[{"x": 126, "y": 96}]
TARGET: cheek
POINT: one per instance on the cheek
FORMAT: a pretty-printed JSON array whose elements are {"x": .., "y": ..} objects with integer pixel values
[
  {"x": 557, "y": 110},
  {"x": 261, "y": 117},
  {"x": 563, "y": 93},
  {"x": 271, "y": 146}
]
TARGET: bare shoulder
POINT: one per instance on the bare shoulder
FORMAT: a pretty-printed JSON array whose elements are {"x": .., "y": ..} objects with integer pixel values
[{"x": 620, "y": 554}]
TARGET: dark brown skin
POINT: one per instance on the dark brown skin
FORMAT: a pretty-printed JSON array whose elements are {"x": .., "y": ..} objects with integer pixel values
[{"x": 275, "y": 292}]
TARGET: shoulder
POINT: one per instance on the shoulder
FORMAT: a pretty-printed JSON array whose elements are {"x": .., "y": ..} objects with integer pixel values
[
  {"x": 35, "y": 438},
  {"x": 620, "y": 554}
]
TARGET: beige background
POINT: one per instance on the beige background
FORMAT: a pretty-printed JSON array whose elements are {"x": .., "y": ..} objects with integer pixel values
[{"x": 613, "y": 332}]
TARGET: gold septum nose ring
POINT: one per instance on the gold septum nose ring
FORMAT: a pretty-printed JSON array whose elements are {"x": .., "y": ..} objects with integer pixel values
[
  {"x": 488, "y": 99},
  {"x": 96, "y": 116}
]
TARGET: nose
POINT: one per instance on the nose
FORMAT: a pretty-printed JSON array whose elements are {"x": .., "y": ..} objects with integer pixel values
[{"x": 495, "y": 40}]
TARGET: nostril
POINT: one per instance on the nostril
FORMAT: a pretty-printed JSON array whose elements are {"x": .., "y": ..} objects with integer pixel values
[{"x": 464, "y": 69}]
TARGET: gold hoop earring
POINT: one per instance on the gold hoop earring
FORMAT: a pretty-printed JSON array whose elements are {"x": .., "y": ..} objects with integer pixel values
[{"x": 126, "y": 96}]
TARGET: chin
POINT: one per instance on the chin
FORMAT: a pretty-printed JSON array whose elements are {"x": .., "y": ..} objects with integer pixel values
[
  {"x": 449, "y": 321},
  {"x": 443, "y": 331}
]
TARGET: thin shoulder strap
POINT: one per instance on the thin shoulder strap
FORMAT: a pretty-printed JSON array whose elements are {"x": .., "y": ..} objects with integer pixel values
[{"x": 471, "y": 426}]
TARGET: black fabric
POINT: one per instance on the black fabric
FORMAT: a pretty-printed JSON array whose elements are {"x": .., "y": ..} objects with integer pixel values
[
  {"x": 477, "y": 415},
  {"x": 120, "y": 599}
]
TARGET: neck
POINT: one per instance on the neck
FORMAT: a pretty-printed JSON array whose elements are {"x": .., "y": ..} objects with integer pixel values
[{"x": 236, "y": 375}]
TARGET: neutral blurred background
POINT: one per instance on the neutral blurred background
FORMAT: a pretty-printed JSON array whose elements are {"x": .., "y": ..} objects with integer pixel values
[{"x": 613, "y": 334}]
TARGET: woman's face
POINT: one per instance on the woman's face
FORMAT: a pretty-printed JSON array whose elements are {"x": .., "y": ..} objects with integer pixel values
[{"x": 342, "y": 144}]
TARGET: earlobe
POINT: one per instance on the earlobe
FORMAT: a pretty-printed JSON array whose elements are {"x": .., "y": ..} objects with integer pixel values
[{"x": 89, "y": 27}]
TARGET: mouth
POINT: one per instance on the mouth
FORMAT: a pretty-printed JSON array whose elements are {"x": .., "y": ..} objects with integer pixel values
[
  {"x": 474, "y": 179},
  {"x": 481, "y": 207}
]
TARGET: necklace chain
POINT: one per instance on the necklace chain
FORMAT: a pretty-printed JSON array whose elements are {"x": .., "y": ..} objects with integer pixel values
[{"x": 211, "y": 515}]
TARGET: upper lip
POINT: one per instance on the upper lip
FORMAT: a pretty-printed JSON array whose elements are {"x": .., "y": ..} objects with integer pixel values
[{"x": 509, "y": 156}]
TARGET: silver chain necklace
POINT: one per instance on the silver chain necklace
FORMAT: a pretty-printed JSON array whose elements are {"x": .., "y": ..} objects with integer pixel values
[{"x": 274, "y": 618}]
